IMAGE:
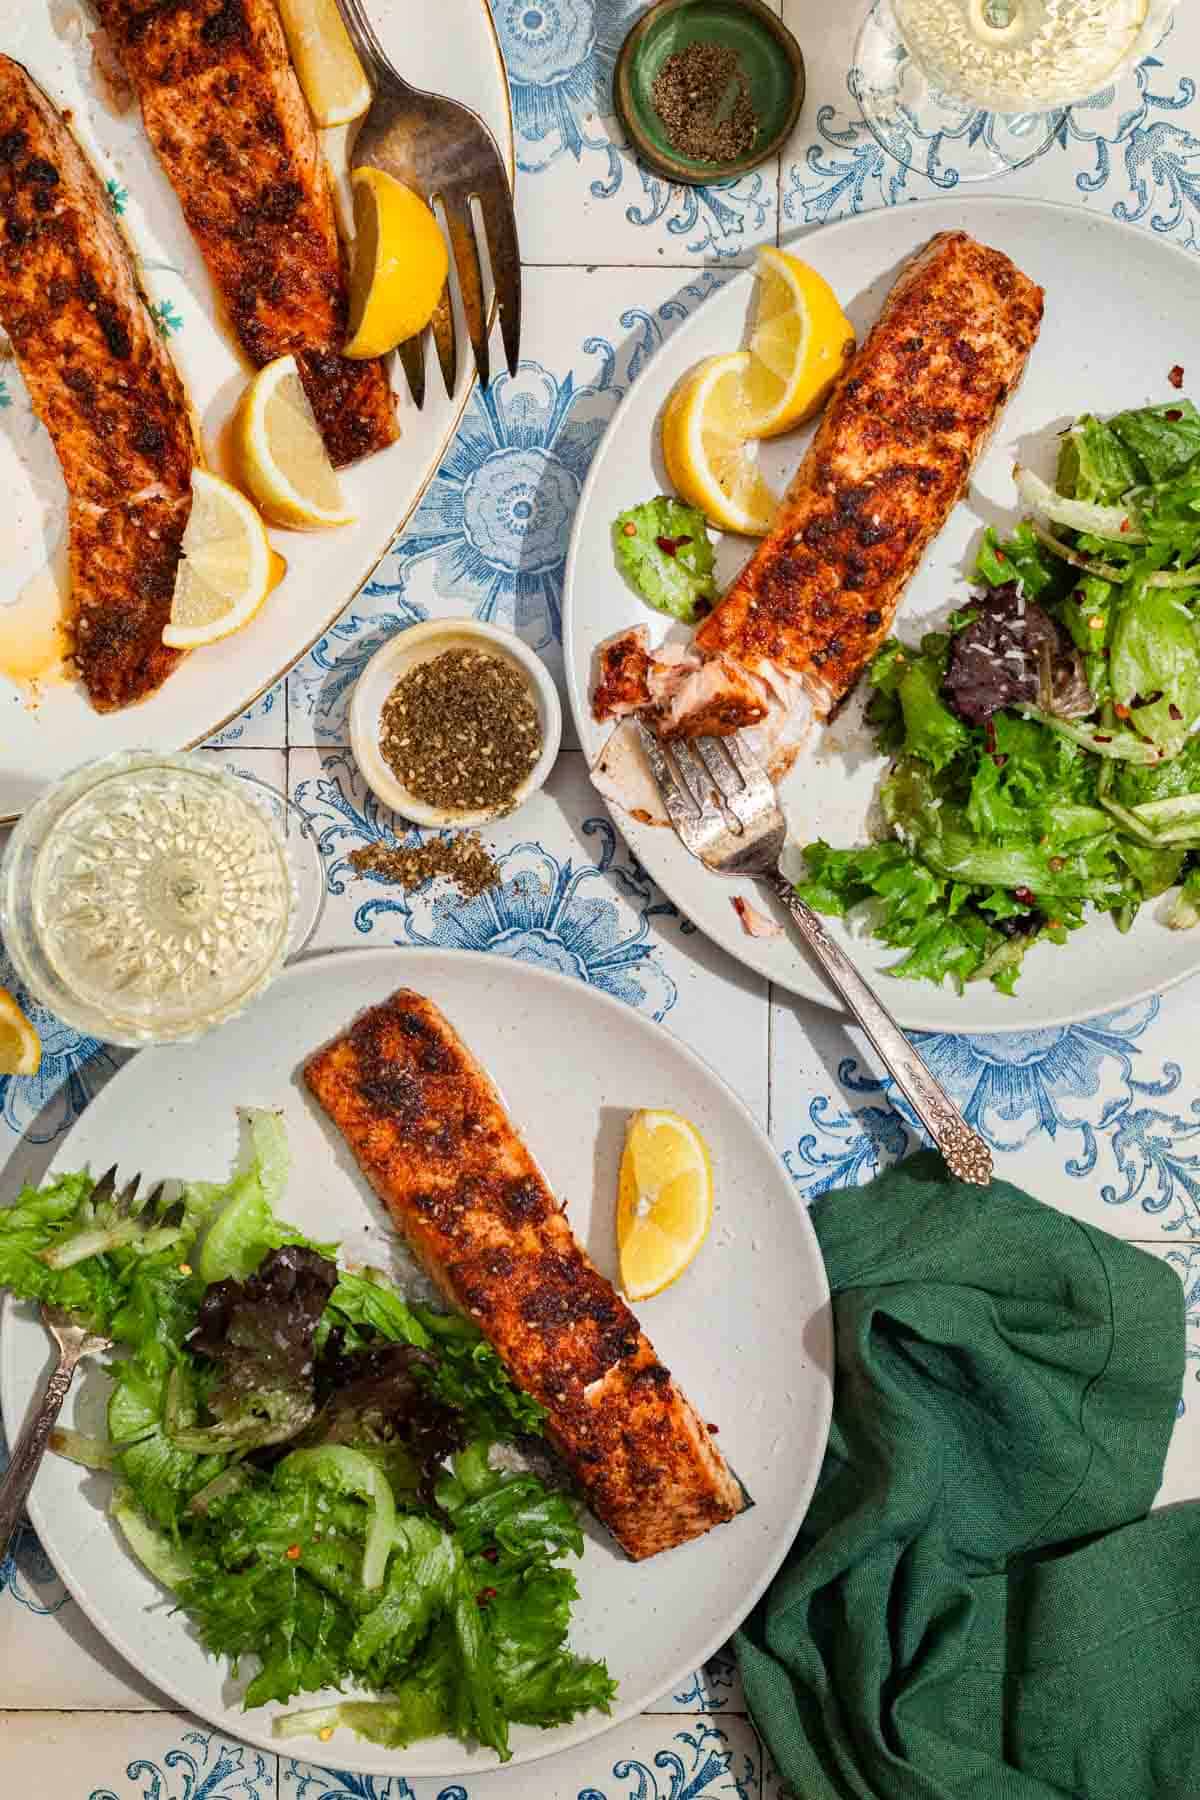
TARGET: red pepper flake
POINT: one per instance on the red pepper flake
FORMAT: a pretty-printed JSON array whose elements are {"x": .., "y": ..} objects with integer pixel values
[
  {"x": 485, "y": 1596},
  {"x": 669, "y": 546},
  {"x": 715, "y": 1429},
  {"x": 1023, "y": 895},
  {"x": 293, "y": 1553},
  {"x": 1124, "y": 524},
  {"x": 1122, "y": 712},
  {"x": 1174, "y": 711},
  {"x": 629, "y": 528},
  {"x": 1000, "y": 556},
  {"x": 989, "y": 736},
  {"x": 1173, "y": 413},
  {"x": 1176, "y": 376},
  {"x": 491, "y": 1554},
  {"x": 1000, "y": 759},
  {"x": 1056, "y": 865},
  {"x": 1100, "y": 738}
]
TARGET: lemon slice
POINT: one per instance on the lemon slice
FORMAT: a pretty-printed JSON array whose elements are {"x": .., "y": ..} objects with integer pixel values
[
  {"x": 323, "y": 56},
  {"x": 800, "y": 344},
  {"x": 705, "y": 429},
  {"x": 226, "y": 570},
  {"x": 281, "y": 455},
  {"x": 399, "y": 264},
  {"x": 20, "y": 1045},
  {"x": 664, "y": 1201}
]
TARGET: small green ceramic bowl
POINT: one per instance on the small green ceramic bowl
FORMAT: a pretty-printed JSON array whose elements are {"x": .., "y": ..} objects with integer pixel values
[{"x": 768, "y": 52}]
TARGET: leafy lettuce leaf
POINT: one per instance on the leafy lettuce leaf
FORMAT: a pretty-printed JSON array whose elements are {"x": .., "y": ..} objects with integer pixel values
[
  {"x": 664, "y": 549},
  {"x": 1155, "y": 663},
  {"x": 1163, "y": 439},
  {"x": 470, "y": 1376}
]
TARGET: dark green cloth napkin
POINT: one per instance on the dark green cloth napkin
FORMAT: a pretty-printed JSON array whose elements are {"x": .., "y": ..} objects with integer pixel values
[{"x": 977, "y": 1603}]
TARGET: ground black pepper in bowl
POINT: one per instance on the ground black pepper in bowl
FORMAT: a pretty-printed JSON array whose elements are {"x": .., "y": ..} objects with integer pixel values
[
  {"x": 461, "y": 731},
  {"x": 702, "y": 96}
]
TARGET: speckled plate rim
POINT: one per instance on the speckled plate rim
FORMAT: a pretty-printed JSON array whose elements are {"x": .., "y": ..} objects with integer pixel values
[{"x": 748, "y": 1328}]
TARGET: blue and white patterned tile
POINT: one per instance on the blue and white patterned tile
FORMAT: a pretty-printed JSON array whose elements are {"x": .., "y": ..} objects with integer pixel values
[
  {"x": 716, "y": 1688},
  {"x": 572, "y": 900},
  {"x": 167, "y": 1756},
  {"x": 263, "y": 725},
  {"x": 1133, "y": 151},
  {"x": 582, "y": 197},
  {"x": 647, "y": 1759},
  {"x": 1101, "y": 1118},
  {"x": 490, "y": 536},
  {"x": 110, "y": 1756}
]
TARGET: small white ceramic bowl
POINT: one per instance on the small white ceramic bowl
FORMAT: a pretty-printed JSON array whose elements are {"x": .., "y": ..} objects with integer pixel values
[{"x": 421, "y": 643}]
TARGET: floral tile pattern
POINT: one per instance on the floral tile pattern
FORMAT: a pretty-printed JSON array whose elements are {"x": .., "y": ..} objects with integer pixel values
[{"x": 1103, "y": 1118}]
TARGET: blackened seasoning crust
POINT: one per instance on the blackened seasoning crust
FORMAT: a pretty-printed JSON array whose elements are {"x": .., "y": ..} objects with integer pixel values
[
  {"x": 892, "y": 456},
  {"x": 102, "y": 383},
  {"x": 225, "y": 114},
  {"x": 432, "y": 1137}
]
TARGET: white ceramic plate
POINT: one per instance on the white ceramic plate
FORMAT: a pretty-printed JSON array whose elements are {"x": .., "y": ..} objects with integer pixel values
[
  {"x": 746, "y": 1330},
  {"x": 1120, "y": 313},
  {"x": 43, "y": 734}
]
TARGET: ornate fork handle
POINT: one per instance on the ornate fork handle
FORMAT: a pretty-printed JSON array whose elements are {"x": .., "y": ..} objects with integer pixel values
[
  {"x": 30, "y": 1447},
  {"x": 965, "y": 1153}
]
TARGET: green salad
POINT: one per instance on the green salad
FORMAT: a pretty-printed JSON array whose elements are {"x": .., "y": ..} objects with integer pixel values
[
  {"x": 1045, "y": 760},
  {"x": 302, "y": 1458}
]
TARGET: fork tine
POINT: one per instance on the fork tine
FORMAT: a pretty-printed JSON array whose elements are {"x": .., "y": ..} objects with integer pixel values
[
  {"x": 465, "y": 253},
  {"x": 496, "y": 204},
  {"x": 695, "y": 776},
  {"x": 722, "y": 768},
  {"x": 412, "y": 360},
  {"x": 361, "y": 32},
  {"x": 683, "y": 810},
  {"x": 444, "y": 339},
  {"x": 105, "y": 1186},
  {"x": 752, "y": 773}
]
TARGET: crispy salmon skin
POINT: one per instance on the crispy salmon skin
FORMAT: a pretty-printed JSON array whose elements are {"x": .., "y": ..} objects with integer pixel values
[
  {"x": 103, "y": 385},
  {"x": 224, "y": 111},
  {"x": 892, "y": 456},
  {"x": 432, "y": 1137}
]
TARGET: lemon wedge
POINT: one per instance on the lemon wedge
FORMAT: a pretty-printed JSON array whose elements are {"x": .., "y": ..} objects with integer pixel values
[
  {"x": 226, "y": 570},
  {"x": 20, "y": 1045},
  {"x": 664, "y": 1201},
  {"x": 800, "y": 344},
  {"x": 705, "y": 429},
  {"x": 399, "y": 265},
  {"x": 328, "y": 70},
  {"x": 281, "y": 455}
]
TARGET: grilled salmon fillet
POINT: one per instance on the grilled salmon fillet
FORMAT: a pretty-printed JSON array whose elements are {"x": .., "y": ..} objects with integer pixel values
[
  {"x": 431, "y": 1135},
  {"x": 104, "y": 387},
  {"x": 893, "y": 455},
  {"x": 223, "y": 108}
]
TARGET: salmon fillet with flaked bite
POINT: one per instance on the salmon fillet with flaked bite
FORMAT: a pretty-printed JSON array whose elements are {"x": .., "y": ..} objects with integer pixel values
[
  {"x": 893, "y": 455},
  {"x": 431, "y": 1135},
  {"x": 103, "y": 385},
  {"x": 231, "y": 127}
]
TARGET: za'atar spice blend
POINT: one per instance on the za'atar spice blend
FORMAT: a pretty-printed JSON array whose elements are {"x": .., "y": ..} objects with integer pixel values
[{"x": 462, "y": 731}]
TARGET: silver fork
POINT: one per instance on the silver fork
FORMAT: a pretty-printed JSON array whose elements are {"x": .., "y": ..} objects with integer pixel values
[
  {"x": 725, "y": 809},
  {"x": 443, "y": 151},
  {"x": 75, "y": 1343}
]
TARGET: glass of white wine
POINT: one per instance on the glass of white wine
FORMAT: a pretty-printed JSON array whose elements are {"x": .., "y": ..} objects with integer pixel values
[
  {"x": 963, "y": 90},
  {"x": 150, "y": 896}
]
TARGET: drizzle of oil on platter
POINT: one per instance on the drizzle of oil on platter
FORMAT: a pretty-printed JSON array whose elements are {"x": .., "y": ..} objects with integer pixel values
[{"x": 35, "y": 647}]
